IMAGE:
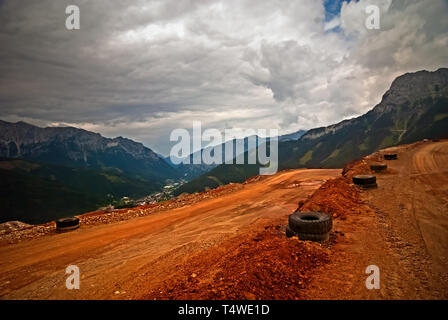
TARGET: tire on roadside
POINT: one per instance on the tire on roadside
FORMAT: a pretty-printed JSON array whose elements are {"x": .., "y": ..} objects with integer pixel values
[
  {"x": 390, "y": 156},
  {"x": 365, "y": 181},
  {"x": 67, "y": 224},
  {"x": 310, "y": 222},
  {"x": 307, "y": 236},
  {"x": 290, "y": 233}
]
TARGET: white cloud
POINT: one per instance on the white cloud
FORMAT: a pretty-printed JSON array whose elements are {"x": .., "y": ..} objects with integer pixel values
[{"x": 333, "y": 23}]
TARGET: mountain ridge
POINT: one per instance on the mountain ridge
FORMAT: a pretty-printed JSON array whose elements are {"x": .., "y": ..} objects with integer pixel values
[
  {"x": 415, "y": 107},
  {"x": 48, "y": 173},
  {"x": 81, "y": 148}
]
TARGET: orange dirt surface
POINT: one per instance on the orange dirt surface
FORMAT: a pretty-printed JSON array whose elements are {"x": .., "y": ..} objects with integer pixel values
[
  {"x": 266, "y": 265},
  {"x": 401, "y": 227},
  {"x": 139, "y": 256},
  {"x": 337, "y": 197},
  {"x": 231, "y": 244}
]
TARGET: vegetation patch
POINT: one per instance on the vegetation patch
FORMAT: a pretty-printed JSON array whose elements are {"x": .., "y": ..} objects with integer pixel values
[
  {"x": 307, "y": 157},
  {"x": 440, "y": 116}
]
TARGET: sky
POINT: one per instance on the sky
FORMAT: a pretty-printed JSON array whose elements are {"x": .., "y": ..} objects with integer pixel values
[{"x": 140, "y": 69}]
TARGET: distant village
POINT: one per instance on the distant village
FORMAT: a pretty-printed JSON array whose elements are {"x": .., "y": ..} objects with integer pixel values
[{"x": 166, "y": 193}]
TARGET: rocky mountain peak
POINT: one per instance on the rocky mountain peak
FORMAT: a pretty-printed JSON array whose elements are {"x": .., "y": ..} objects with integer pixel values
[
  {"x": 404, "y": 90},
  {"x": 77, "y": 147},
  {"x": 413, "y": 86}
]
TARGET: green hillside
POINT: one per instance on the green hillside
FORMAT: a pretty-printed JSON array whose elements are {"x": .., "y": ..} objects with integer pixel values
[{"x": 35, "y": 193}]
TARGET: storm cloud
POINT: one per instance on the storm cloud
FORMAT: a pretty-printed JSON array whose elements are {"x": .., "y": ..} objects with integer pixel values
[{"x": 142, "y": 68}]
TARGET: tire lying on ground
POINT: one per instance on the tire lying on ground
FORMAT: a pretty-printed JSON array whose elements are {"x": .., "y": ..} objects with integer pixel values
[
  {"x": 378, "y": 167},
  {"x": 314, "y": 226},
  {"x": 67, "y": 224},
  {"x": 390, "y": 156},
  {"x": 310, "y": 222},
  {"x": 307, "y": 236},
  {"x": 365, "y": 180}
]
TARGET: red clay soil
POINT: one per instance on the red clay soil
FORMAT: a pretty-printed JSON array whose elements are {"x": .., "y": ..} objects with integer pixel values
[
  {"x": 337, "y": 197},
  {"x": 267, "y": 265}
]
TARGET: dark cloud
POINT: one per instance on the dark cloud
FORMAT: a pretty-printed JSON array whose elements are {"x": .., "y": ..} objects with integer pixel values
[{"x": 142, "y": 68}]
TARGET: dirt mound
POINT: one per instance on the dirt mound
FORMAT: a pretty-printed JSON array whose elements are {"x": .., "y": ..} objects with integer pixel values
[
  {"x": 356, "y": 167},
  {"x": 17, "y": 231},
  {"x": 12, "y": 226},
  {"x": 339, "y": 197},
  {"x": 336, "y": 198},
  {"x": 266, "y": 266}
]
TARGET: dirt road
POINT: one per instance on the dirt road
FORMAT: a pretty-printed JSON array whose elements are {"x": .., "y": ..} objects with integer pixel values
[
  {"x": 405, "y": 234},
  {"x": 131, "y": 258}
]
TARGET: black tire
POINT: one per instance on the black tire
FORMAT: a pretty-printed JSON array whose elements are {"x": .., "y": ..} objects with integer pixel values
[
  {"x": 66, "y": 224},
  {"x": 289, "y": 232},
  {"x": 364, "y": 179},
  {"x": 390, "y": 156},
  {"x": 378, "y": 167},
  {"x": 310, "y": 222},
  {"x": 307, "y": 236},
  {"x": 435, "y": 140},
  {"x": 368, "y": 186},
  {"x": 313, "y": 237}
]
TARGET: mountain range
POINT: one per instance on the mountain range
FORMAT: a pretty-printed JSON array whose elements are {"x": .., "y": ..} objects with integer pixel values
[
  {"x": 68, "y": 146},
  {"x": 47, "y": 173},
  {"x": 415, "y": 107},
  {"x": 191, "y": 170}
]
